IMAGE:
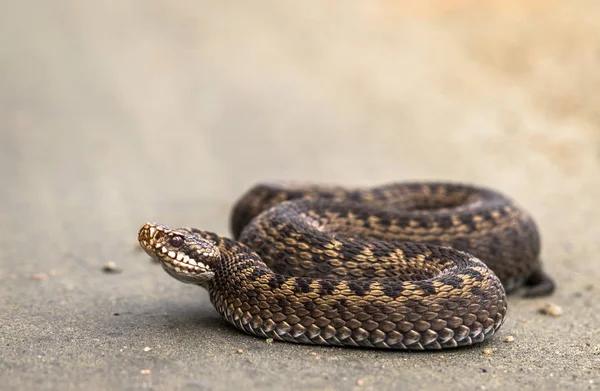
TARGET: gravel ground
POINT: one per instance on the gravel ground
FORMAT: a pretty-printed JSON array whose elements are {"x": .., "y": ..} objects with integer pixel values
[{"x": 113, "y": 114}]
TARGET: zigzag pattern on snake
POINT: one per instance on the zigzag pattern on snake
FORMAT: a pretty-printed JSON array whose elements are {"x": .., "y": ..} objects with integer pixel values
[{"x": 401, "y": 266}]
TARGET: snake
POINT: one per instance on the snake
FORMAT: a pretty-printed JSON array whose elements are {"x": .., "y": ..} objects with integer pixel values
[{"x": 405, "y": 265}]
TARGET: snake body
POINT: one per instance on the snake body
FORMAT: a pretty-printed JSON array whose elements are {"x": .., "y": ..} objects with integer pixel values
[{"x": 401, "y": 266}]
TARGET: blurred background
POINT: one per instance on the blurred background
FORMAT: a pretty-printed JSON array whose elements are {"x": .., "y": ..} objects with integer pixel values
[
  {"x": 115, "y": 113},
  {"x": 107, "y": 105}
]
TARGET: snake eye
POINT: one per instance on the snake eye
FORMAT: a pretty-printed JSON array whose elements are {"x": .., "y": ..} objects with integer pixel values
[{"x": 176, "y": 241}]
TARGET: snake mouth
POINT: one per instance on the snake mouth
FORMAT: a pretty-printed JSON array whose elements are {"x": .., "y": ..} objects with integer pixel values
[
  {"x": 179, "y": 261},
  {"x": 156, "y": 240}
]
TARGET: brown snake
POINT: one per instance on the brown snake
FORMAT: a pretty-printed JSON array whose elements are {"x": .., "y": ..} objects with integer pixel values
[{"x": 395, "y": 267}]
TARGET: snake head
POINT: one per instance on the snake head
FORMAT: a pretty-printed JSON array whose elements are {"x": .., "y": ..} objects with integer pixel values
[{"x": 184, "y": 255}]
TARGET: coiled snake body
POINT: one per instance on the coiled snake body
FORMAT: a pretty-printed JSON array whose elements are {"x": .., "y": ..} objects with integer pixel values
[{"x": 399, "y": 266}]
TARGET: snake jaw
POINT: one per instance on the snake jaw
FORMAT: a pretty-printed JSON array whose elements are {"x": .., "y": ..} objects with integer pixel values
[{"x": 183, "y": 256}]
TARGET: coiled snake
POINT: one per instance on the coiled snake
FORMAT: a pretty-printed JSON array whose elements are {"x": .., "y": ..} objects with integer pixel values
[{"x": 397, "y": 266}]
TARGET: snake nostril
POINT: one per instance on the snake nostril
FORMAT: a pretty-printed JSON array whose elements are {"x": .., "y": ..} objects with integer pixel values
[{"x": 143, "y": 234}]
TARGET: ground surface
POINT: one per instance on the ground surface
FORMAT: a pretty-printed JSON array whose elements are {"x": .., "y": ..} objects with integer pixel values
[{"x": 115, "y": 113}]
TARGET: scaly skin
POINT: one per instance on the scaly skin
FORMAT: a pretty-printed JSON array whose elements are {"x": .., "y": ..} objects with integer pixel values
[{"x": 360, "y": 267}]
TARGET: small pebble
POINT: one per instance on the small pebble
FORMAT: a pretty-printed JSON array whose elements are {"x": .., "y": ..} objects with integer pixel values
[
  {"x": 269, "y": 341},
  {"x": 145, "y": 371},
  {"x": 509, "y": 339},
  {"x": 147, "y": 349},
  {"x": 551, "y": 309},
  {"x": 488, "y": 351},
  {"x": 484, "y": 370},
  {"x": 39, "y": 276},
  {"x": 365, "y": 380},
  {"x": 240, "y": 351},
  {"x": 110, "y": 267}
]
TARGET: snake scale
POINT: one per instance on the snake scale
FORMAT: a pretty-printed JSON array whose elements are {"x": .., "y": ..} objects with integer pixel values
[{"x": 410, "y": 265}]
